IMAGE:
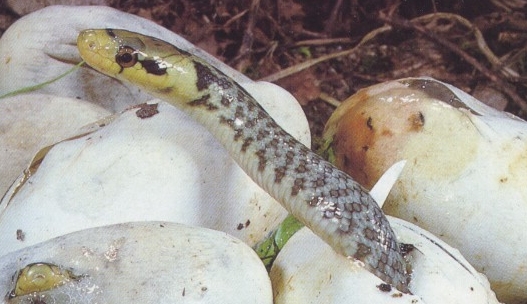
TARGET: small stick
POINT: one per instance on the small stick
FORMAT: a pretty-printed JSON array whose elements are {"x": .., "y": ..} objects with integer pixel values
[{"x": 504, "y": 86}]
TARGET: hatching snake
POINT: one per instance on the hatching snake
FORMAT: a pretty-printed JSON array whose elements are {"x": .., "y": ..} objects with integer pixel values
[{"x": 325, "y": 199}]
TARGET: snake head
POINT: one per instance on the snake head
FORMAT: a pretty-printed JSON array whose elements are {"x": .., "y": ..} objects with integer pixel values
[
  {"x": 38, "y": 277},
  {"x": 145, "y": 61}
]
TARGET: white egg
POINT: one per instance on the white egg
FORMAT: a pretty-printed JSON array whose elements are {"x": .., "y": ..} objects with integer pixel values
[
  {"x": 165, "y": 167},
  {"x": 141, "y": 262},
  {"x": 34, "y": 121},
  {"x": 308, "y": 271}
]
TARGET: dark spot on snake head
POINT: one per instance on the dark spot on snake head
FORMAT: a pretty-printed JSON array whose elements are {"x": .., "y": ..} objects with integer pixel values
[{"x": 154, "y": 67}]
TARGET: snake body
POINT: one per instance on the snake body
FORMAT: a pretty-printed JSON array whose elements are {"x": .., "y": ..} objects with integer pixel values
[{"x": 325, "y": 199}]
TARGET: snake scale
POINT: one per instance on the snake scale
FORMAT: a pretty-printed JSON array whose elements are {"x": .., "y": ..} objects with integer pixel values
[{"x": 325, "y": 199}]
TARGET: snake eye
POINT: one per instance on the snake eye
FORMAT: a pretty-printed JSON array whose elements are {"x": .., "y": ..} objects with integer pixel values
[{"x": 126, "y": 57}]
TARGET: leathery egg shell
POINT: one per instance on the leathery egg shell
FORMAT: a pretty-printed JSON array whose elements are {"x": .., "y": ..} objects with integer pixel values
[
  {"x": 466, "y": 173},
  {"x": 139, "y": 262},
  {"x": 32, "y": 121},
  {"x": 308, "y": 271},
  {"x": 163, "y": 167}
]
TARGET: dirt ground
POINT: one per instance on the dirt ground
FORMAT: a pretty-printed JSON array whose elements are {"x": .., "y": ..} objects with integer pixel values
[{"x": 479, "y": 46}]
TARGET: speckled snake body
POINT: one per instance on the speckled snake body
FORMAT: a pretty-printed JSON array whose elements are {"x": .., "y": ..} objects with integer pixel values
[{"x": 324, "y": 198}]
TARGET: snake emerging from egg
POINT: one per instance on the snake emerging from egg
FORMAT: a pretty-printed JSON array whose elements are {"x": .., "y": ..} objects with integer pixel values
[{"x": 325, "y": 199}]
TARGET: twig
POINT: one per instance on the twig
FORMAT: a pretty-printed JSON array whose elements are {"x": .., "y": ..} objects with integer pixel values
[
  {"x": 307, "y": 64},
  {"x": 248, "y": 36},
  {"x": 235, "y": 18},
  {"x": 510, "y": 59},
  {"x": 329, "y": 99},
  {"x": 330, "y": 24},
  {"x": 480, "y": 40},
  {"x": 324, "y": 41},
  {"x": 504, "y": 86}
]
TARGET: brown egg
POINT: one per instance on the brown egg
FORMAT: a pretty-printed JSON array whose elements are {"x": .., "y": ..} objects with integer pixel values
[
  {"x": 465, "y": 173},
  {"x": 374, "y": 128}
]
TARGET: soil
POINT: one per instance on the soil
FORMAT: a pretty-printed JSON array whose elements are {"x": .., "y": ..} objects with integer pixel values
[{"x": 432, "y": 38}]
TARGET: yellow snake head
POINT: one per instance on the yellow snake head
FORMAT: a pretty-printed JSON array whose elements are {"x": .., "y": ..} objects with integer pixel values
[
  {"x": 143, "y": 60},
  {"x": 37, "y": 277}
]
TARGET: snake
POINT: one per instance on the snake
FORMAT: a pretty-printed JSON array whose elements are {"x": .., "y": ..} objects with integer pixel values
[
  {"x": 38, "y": 277},
  {"x": 325, "y": 199}
]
